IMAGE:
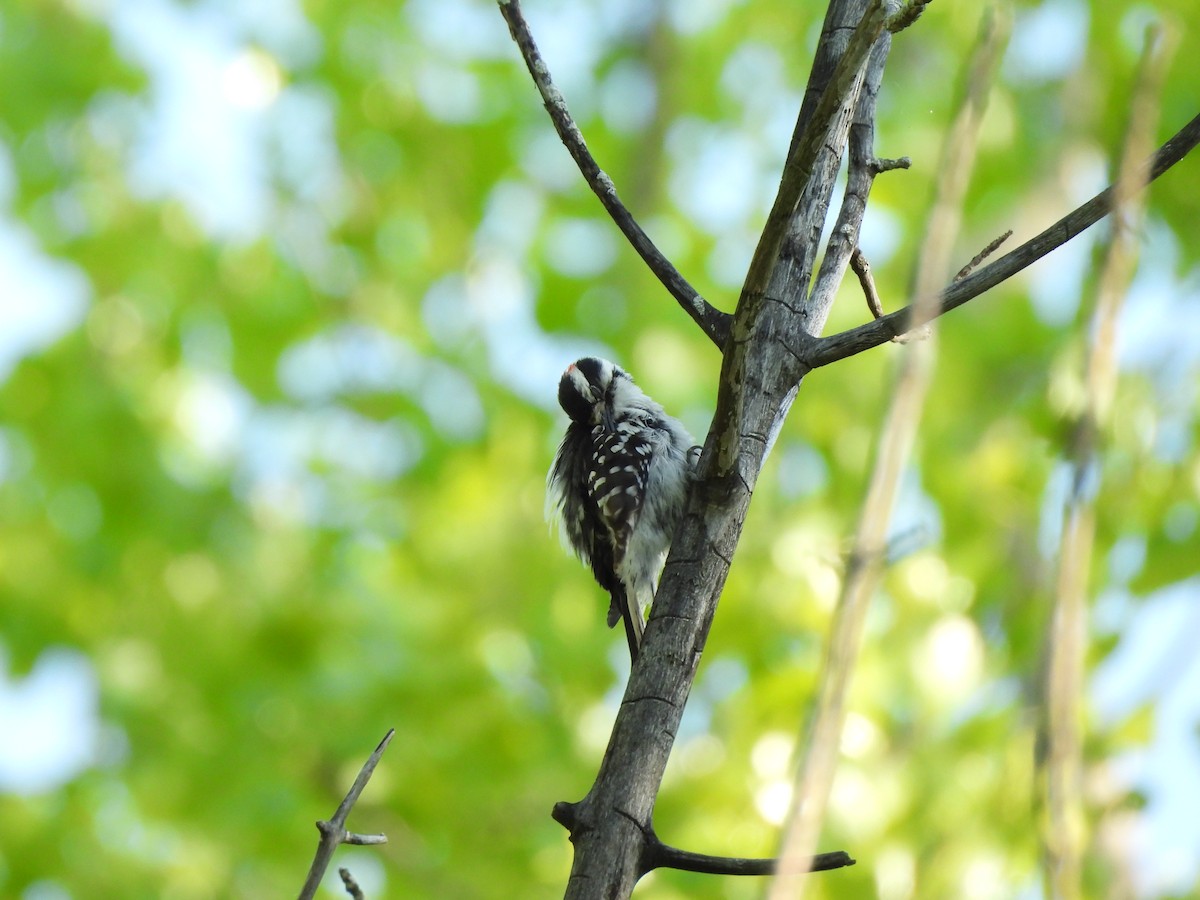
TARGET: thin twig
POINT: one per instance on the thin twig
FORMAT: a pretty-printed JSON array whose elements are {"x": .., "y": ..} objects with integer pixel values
[
  {"x": 923, "y": 332},
  {"x": 350, "y": 884},
  {"x": 983, "y": 254},
  {"x": 879, "y": 166},
  {"x": 814, "y": 777},
  {"x": 862, "y": 268},
  {"x": 834, "y": 347},
  {"x": 1067, "y": 640},
  {"x": 333, "y": 831},
  {"x": 862, "y": 167},
  {"x": 712, "y": 321}
]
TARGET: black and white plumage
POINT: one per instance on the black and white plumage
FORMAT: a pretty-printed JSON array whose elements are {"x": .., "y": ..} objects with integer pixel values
[{"x": 618, "y": 484}]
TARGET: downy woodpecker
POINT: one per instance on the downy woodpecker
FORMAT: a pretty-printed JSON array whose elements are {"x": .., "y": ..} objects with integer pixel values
[{"x": 618, "y": 485}]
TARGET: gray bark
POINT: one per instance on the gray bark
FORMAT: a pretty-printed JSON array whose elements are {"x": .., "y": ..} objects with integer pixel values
[{"x": 761, "y": 372}]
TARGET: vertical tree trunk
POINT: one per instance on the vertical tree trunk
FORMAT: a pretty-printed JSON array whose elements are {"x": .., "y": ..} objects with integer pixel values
[{"x": 761, "y": 371}]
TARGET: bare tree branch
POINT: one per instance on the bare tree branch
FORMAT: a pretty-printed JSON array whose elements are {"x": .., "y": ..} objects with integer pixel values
[
  {"x": 712, "y": 321},
  {"x": 757, "y": 383},
  {"x": 906, "y": 15},
  {"x": 334, "y": 833},
  {"x": 768, "y": 346},
  {"x": 350, "y": 884},
  {"x": 826, "y": 350},
  {"x": 862, "y": 168},
  {"x": 802, "y": 157},
  {"x": 862, "y": 268},
  {"x": 978, "y": 258},
  {"x": 657, "y": 855},
  {"x": 814, "y": 777},
  {"x": 776, "y": 312},
  {"x": 663, "y": 856},
  {"x": 1065, "y": 829}
]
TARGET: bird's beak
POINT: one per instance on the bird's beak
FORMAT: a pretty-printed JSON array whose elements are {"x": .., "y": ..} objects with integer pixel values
[{"x": 606, "y": 417}]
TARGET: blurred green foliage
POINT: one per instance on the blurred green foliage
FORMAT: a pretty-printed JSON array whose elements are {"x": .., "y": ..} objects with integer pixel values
[{"x": 280, "y": 480}]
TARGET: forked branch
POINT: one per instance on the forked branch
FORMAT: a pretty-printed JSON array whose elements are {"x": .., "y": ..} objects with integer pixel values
[
  {"x": 862, "y": 168},
  {"x": 333, "y": 831},
  {"x": 802, "y": 157},
  {"x": 657, "y": 855},
  {"x": 830, "y": 349}
]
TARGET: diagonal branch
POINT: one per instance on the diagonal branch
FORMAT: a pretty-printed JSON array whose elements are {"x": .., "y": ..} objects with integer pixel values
[
  {"x": 712, "y": 321},
  {"x": 814, "y": 778},
  {"x": 834, "y": 347},
  {"x": 1062, "y": 731},
  {"x": 334, "y": 833}
]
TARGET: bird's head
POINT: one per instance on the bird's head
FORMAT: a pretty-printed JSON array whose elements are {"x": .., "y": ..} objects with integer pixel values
[{"x": 588, "y": 388}]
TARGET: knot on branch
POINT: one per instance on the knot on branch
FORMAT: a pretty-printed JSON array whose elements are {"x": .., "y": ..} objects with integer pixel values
[{"x": 566, "y": 815}]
